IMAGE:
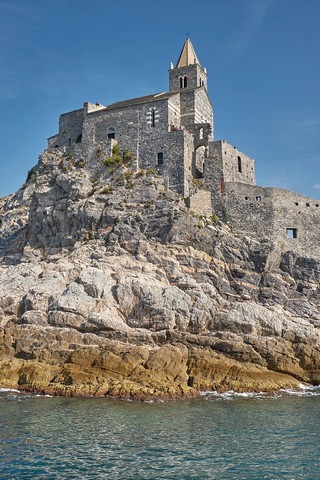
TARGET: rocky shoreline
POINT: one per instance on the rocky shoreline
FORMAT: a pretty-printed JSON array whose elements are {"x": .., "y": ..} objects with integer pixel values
[{"x": 111, "y": 286}]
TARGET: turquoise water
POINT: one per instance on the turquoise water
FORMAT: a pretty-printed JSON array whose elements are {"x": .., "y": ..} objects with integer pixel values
[{"x": 218, "y": 437}]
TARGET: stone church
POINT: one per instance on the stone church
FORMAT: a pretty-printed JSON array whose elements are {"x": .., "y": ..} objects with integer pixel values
[{"x": 174, "y": 132}]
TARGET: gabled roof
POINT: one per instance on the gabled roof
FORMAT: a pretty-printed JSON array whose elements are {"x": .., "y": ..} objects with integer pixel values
[
  {"x": 138, "y": 100},
  {"x": 188, "y": 55}
]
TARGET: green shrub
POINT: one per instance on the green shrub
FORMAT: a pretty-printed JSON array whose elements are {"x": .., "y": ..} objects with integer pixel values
[
  {"x": 108, "y": 190},
  {"x": 118, "y": 159},
  {"x": 152, "y": 171},
  {"x": 214, "y": 218},
  {"x": 127, "y": 155},
  {"x": 99, "y": 151},
  {"x": 109, "y": 161},
  {"x": 80, "y": 163},
  {"x": 116, "y": 149}
]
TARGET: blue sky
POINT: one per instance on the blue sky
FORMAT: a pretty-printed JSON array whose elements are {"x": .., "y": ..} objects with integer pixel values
[{"x": 262, "y": 58}]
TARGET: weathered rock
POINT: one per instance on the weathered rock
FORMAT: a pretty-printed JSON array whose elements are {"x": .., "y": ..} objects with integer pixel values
[{"x": 122, "y": 291}]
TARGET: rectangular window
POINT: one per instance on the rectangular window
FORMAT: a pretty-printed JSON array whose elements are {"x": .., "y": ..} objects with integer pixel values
[
  {"x": 160, "y": 158},
  {"x": 292, "y": 233}
]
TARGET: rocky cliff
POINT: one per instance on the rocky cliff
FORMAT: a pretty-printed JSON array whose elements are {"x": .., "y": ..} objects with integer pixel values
[{"x": 111, "y": 286}]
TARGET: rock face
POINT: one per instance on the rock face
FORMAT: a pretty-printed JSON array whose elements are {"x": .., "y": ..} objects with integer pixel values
[{"x": 111, "y": 286}]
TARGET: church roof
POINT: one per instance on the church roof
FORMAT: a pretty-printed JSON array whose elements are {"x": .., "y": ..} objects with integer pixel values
[
  {"x": 188, "y": 55},
  {"x": 139, "y": 100}
]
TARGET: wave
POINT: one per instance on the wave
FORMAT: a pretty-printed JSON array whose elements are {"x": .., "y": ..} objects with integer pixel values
[
  {"x": 304, "y": 390},
  {"x": 6, "y": 390}
]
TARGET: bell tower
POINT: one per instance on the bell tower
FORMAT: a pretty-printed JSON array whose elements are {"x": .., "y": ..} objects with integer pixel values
[
  {"x": 188, "y": 79},
  {"x": 188, "y": 73}
]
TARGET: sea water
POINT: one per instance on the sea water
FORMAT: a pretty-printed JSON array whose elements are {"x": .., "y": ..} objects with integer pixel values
[{"x": 218, "y": 437}]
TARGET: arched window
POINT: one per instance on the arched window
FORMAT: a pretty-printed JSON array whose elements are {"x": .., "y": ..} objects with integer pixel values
[
  {"x": 79, "y": 139},
  {"x": 111, "y": 132},
  {"x": 201, "y": 82},
  {"x": 181, "y": 82},
  {"x": 185, "y": 81},
  {"x": 201, "y": 133}
]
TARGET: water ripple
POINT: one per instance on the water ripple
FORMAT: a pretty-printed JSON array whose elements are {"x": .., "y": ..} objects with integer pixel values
[{"x": 259, "y": 437}]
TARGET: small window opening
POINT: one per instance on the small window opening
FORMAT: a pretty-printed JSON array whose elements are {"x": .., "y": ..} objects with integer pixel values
[
  {"x": 111, "y": 132},
  {"x": 307, "y": 204},
  {"x": 258, "y": 198},
  {"x": 185, "y": 81},
  {"x": 153, "y": 117},
  {"x": 317, "y": 204},
  {"x": 69, "y": 142},
  {"x": 79, "y": 139},
  {"x": 201, "y": 82},
  {"x": 296, "y": 204},
  {"x": 160, "y": 158},
  {"x": 246, "y": 198},
  {"x": 181, "y": 82},
  {"x": 292, "y": 233},
  {"x": 201, "y": 133},
  {"x": 239, "y": 165}
]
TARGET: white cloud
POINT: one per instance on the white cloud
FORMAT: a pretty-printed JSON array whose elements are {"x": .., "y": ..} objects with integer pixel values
[{"x": 316, "y": 185}]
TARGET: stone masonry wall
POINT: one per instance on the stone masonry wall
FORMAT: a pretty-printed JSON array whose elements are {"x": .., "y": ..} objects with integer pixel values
[
  {"x": 132, "y": 125},
  {"x": 70, "y": 127},
  {"x": 192, "y": 72},
  {"x": 174, "y": 120},
  {"x": 291, "y": 219},
  {"x": 178, "y": 168},
  {"x": 203, "y": 108},
  {"x": 213, "y": 179},
  {"x": 237, "y": 167},
  {"x": 187, "y": 102},
  {"x": 302, "y": 214}
]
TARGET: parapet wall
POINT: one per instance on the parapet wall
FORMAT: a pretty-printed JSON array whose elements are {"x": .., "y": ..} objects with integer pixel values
[
  {"x": 237, "y": 166},
  {"x": 70, "y": 128},
  {"x": 291, "y": 219}
]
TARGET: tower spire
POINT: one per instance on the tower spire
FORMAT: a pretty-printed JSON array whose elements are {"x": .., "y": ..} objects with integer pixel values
[{"x": 188, "y": 55}]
